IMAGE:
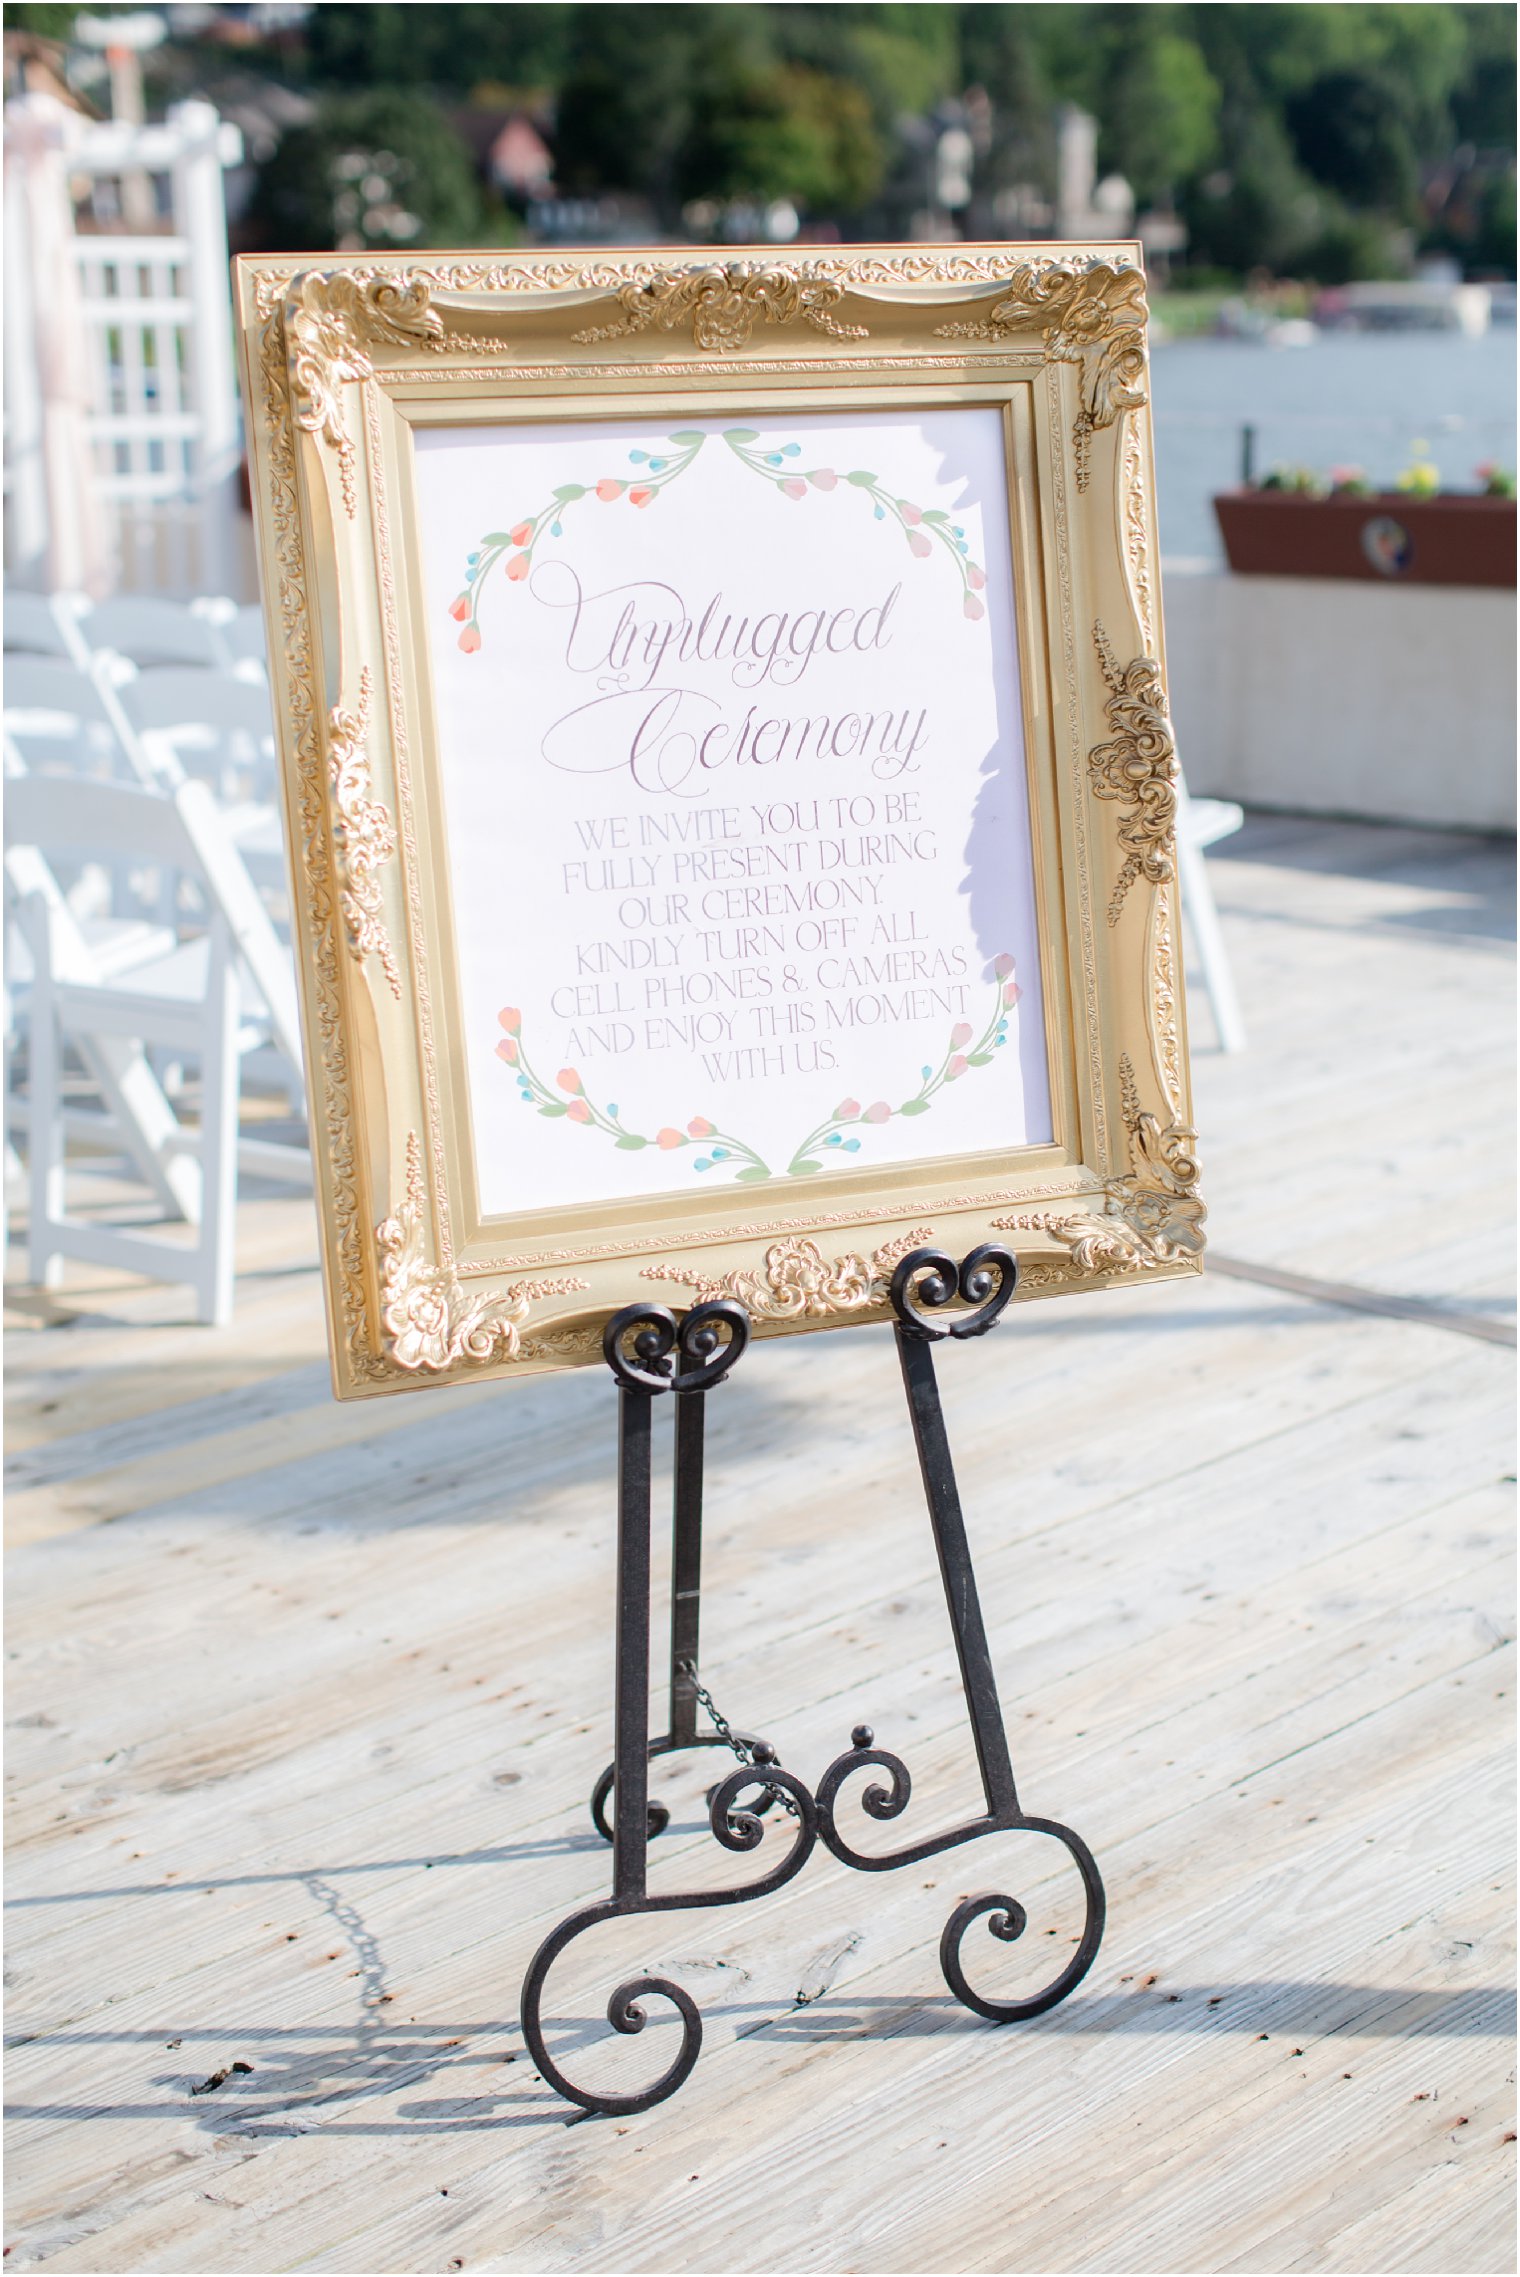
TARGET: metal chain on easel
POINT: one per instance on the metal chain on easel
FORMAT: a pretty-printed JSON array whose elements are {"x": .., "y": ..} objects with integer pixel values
[{"x": 741, "y": 1749}]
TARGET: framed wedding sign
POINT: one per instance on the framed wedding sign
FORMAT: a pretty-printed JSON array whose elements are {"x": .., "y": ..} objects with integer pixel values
[{"x": 731, "y": 796}]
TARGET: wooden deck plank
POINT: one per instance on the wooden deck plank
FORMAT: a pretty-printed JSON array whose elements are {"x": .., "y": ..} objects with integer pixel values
[{"x": 304, "y": 1702}]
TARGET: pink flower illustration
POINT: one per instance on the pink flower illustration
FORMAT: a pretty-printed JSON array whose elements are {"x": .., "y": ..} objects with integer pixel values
[
  {"x": 847, "y": 1110},
  {"x": 877, "y": 1112},
  {"x": 640, "y": 497},
  {"x": 507, "y": 1050},
  {"x": 920, "y": 545},
  {"x": 960, "y": 1034},
  {"x": 975, "y": 577},
  {"x": 823, "y": 478},
  {"x": 909, "y": 513},
  {"x": 794, "y": 487},
  {"x": 1012, "y": 992},
  {"x": 568, "y": 1080},
  {"x": 1002, "y": 965},
  {"x": 522, "y": 534},
  {"x": 972, "y": 607},
  {"x": 511, "y": 1019},
  {"x": 958, "y": 1066},
  {"x": 608, "y": 489},
  {"x": 578, "y": 1111},
  {"x": 668, "y": 1138},
  {"x": 700, "y": 1127},
  {"x": 518, "y": 567},
  {"x": 469, "y": 639},
  {"x": 460, "y": 609}
]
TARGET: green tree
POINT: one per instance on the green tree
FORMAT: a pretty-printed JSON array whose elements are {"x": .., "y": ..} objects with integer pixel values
[
  {"x": 791, "y": 133},
  {"x": 381, "y": 169},
  {"x": 1159, "y": 113},
  {"x": 1351, "y": 130},
  {"x": 437, "y": 45}
]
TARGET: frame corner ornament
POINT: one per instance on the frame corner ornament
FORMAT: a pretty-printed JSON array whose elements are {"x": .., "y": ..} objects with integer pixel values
[
  {"x": 430, "y": 1323},
  {"x": 1138, "y": 767},
  {"x": 1091, "y": 312},
  {"x": 722, "y": 303},
  {"x": 364, "y": 835},
  {"x": 331, "y": 319},
  {"x": 795, "y": 1281},
  {"x": 1153, "y": 1214}
]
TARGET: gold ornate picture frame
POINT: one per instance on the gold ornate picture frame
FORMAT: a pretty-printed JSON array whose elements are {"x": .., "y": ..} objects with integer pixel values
[{"x": 387, "y": 398}]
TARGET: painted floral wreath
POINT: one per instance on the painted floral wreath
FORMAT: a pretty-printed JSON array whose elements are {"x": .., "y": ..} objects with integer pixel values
[
  {"x": 924, "y": 527},
  {"x": 722, "y": 1149}
]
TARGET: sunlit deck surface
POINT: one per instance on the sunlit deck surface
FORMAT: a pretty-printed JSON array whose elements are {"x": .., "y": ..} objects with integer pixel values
[{"x": 305, "y": 1702}]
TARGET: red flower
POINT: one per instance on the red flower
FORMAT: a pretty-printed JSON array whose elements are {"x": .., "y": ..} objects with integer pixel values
[
  {"x": 507, "y": 1050},
  {"x": 847, "y": 1111},
  {"x": 518, "y": 567},
  {"x": 578, "y": 1111},
  {"x": 469, "y": 639},
  {"x": 877, "y": 1112},
  {"x": 1002, "y": 965},
  {"x": 568, "y": 1080},
  {"x": 609, "y": 489},
  {"x": 700, "y": 1127},
  {"x": 909, "y": 513},
  {"x": 668, "y": 1138},
  {"x": 919, "y": 544},
  {"x": 976, "y": 578},
  {"x": 1012, "y": 992},
  {"x": 460, "y": 609},
  {"x": 960, "y": 1034},
  {"x": 823, "y": 478},
  {"x": 794, "y": 487},
  {"x": 523, "y": 533},
  {"x": 640, "y": 497},
  {"x": 510, "y": 1019},
  {"x": 973, "y": 607},
  {"x": 958, "y": 1066}
]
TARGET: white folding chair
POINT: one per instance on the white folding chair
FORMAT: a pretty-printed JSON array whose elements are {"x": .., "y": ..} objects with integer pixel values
[
  {"x": 154, "y": 631},
  {"x": 243, "y": 636},
  {"x": 197, "y": 1000},
  {"x": 68, "y": 717},
  {"x": 1200, "y": 823},
  {"x": 45, "y": 624},
  {"x": 216, "y": 726}
]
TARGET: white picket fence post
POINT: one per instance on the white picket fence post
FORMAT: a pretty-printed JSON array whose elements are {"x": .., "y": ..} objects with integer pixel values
[{"x": 156, "y": 315}]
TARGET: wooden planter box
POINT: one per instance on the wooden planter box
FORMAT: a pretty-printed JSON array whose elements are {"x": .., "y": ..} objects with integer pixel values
[{"x": 1390, "y": 537}]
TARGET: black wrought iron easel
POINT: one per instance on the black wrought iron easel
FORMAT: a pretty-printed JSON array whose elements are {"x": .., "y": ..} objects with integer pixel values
[{"x": 650, "y": 1353}]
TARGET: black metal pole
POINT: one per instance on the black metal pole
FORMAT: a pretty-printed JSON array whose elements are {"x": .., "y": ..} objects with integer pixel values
[
  {"x": 630, "y": 1825},
  {"x": 966, "y": 1624},
  {"x": 686, "y": 1566}
]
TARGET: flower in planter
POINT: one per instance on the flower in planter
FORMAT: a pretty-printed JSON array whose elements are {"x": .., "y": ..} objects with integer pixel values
[
  {"x": 1297, "y": 481},
  {"x": 1349, "y": 482},
  {"x": 1422, "y": 477},
  {"x": 1495, "y": 481}
]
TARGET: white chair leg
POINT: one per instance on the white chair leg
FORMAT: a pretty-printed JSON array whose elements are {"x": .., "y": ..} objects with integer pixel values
[
  {"x": 220, "y": 1074},
  {"x": 45, "y": 1133},
  {"x": 1203, "y": 917}
]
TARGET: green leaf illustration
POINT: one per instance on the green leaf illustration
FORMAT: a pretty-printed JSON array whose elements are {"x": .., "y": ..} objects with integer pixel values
[
  {"x": 861, "y": 478},
  {"x": 689, "y": 435},
  {"x": 554, "y": 1110},
  {"x": 914, "y": 1107},
  {"x": 979, "y": 1059},
  {"x": 570, "y": 490},
  {"x": 496, "y": 538},
  {"x": 734, "y": 435},
  {"x": 631, "y": 1142},
  {"x": 935, "y": 514},
  {"x": 803, "y": 1169},
  {"x": 751, "y": 1176}
]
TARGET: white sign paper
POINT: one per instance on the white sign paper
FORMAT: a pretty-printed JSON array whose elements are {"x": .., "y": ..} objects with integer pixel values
[{"x": 737, "y": 815}]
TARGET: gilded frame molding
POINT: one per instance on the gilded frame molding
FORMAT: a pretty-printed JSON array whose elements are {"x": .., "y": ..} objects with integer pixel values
[{"x": 336, "y": 349}]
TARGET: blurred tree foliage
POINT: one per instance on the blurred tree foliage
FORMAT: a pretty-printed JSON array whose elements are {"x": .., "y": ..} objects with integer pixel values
[
  {"x": 370, "y": 170},
  {"x": 1316, "y": 137}
]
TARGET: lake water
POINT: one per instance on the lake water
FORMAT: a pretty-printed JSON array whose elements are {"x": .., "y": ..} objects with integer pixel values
[{"x": 1347, "y": 399}]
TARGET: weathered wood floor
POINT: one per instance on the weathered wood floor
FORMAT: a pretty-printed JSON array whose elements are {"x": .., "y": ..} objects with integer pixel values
[{"x": 304, "y": 1703}]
